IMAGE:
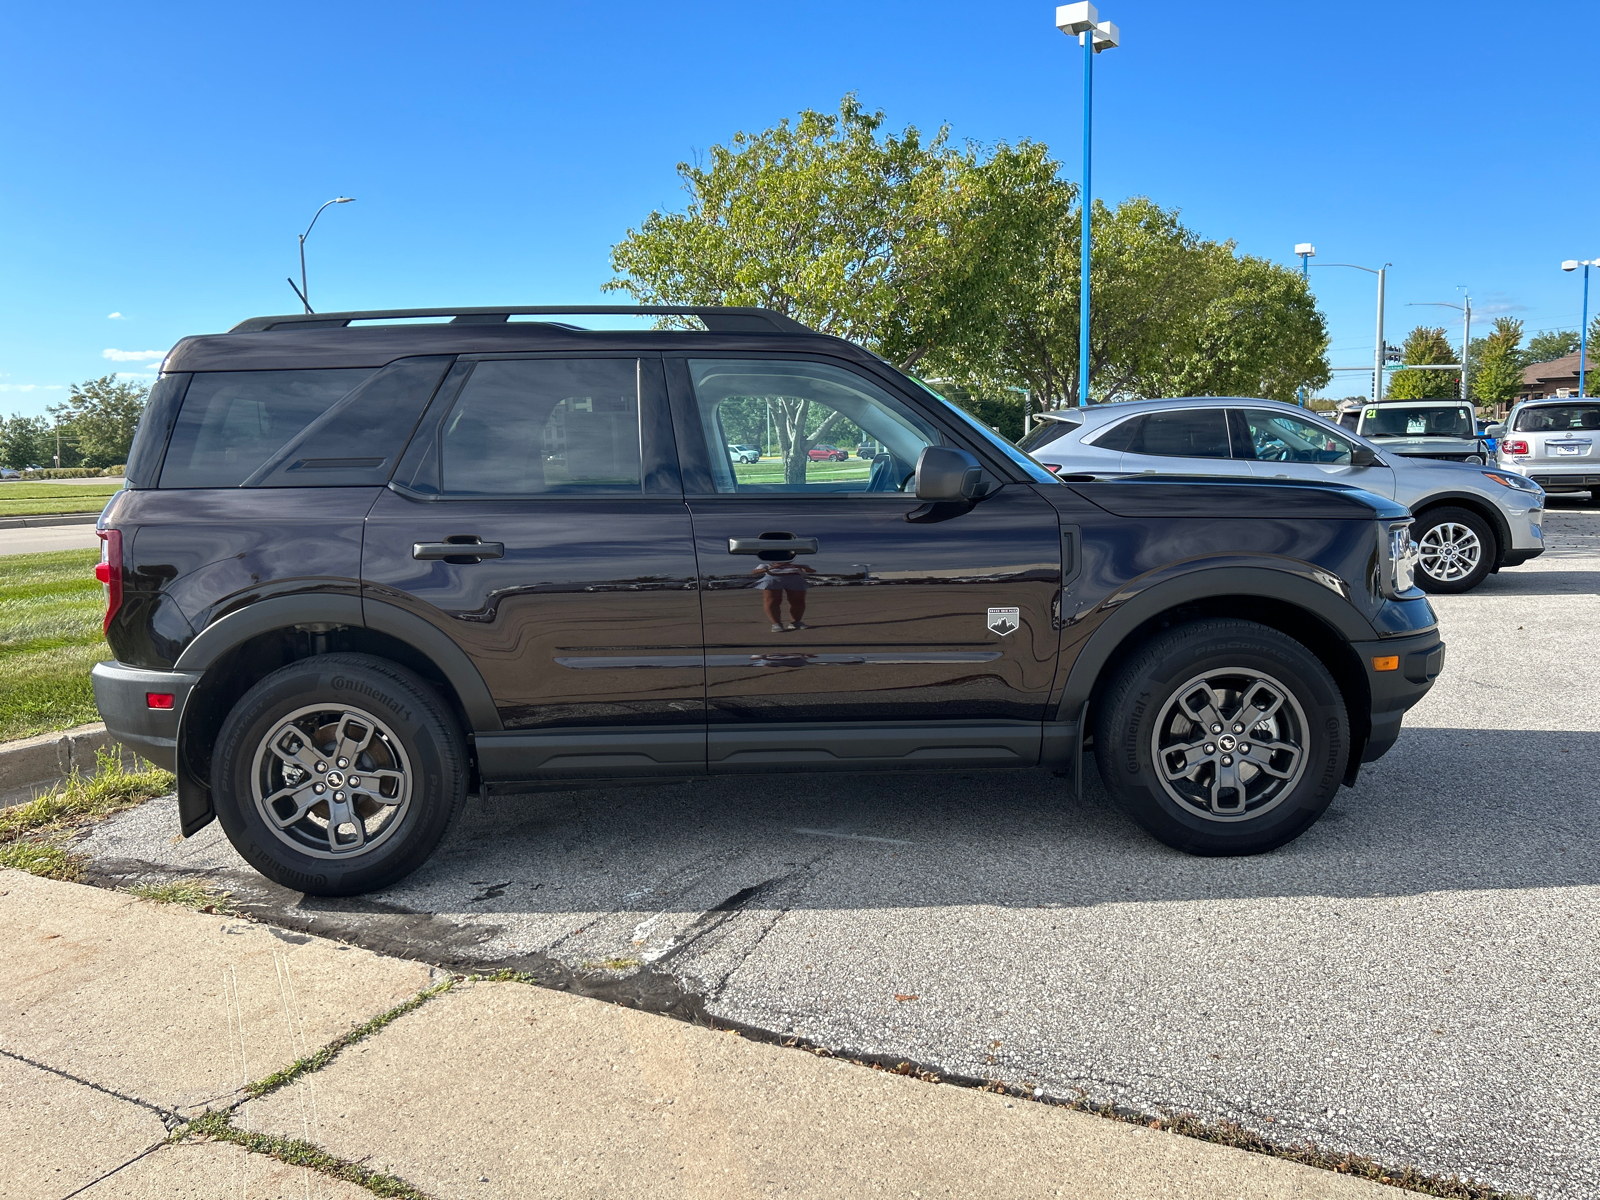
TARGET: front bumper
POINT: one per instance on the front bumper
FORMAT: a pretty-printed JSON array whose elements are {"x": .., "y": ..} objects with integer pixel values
[
  {"x": 1394, "y": 692},
  {"x": 120, "y": 693}
]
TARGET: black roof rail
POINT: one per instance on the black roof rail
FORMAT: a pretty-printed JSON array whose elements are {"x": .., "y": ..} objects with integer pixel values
[{"x": 716, "y": 319}]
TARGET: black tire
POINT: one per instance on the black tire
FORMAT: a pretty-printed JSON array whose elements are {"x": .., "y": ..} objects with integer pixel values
[
  {"x": 1141, "y": 712},
  {"x": 414, "y": 749},
  {"x": 1452, "y": 562}
]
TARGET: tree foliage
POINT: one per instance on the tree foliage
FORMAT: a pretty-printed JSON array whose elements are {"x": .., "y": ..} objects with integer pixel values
[
  {"x": 25, "y": 442},
  {"x": 1425, "y": 344},
  {"x": 100, "y": 418},
  {"x": 1497, "y": 373},
  {"x": 963, "y": 263},
  {"x": 1557, "y": 343}
]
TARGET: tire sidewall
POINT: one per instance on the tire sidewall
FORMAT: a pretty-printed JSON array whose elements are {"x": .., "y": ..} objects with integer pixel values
[
  {"x": 1486, "y": 538},
  {"x": 388, "y": 692},
  {"x": 1141, "y": 694}
]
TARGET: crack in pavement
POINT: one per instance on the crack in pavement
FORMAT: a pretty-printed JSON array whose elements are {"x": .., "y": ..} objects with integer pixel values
[{"x": 170, "y": 1119}]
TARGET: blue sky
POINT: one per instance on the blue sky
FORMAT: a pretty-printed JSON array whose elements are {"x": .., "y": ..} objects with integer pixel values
[{"x": 159, "y": 159}]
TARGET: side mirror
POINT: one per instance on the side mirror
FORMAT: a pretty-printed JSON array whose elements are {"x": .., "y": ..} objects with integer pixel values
[
  {"x": 945, "y": 473},
  {"x": 1362, "y": 456},
  {"x": 1495, "y": 431}
]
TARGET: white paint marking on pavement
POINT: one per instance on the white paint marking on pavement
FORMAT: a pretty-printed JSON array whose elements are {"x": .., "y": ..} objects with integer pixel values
[{"x": 854, "y": 837}]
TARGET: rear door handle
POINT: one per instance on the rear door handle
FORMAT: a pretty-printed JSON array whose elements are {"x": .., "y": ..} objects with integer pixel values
[
  {"x": 464, "y": 551},
  {"x": 755, "y": 545}
]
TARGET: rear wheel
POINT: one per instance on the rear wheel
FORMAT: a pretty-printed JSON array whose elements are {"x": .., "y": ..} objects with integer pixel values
[
  {"x": 1223, "y": 737},
  {"x": 338, "y": 774},
  {"x": 1457, "y": 550}
]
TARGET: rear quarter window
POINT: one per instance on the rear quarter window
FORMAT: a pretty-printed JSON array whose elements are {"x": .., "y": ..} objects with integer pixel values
[
  {"x": 310, "y": 428},
  {"x": 1559, "y": 418}
]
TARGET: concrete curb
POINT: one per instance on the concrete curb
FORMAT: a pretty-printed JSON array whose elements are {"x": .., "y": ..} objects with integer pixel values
[
  {"x": 37, "y": 762},
  {"x": 42, "y": 519}
]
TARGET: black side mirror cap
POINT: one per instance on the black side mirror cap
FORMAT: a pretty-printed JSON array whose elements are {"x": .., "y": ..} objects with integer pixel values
[
  {"x": 945, "y": 473},
  {"x": 1363, "y": 457}
]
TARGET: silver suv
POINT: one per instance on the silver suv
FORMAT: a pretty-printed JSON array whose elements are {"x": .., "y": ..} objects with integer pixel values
[
  {"x": 1470, "y": 520},
  {"x": 1552, "y": 442}
]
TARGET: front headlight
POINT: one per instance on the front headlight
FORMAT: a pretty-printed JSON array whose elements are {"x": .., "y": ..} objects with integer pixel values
[
  {"x": 1400, "y": 560},
  {"x": 1515, "y": 482}
]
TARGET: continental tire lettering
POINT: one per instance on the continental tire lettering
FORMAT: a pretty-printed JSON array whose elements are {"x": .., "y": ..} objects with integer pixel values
[
  {"x": 1130, "y": 741},
  {"x": 340, "y": 683}
]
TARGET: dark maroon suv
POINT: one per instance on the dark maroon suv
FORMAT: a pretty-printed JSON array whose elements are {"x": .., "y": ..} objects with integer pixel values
[{"x": 364, "y": 566}]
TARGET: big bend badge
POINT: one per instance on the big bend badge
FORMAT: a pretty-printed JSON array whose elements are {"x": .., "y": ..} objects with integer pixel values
[{"x": 1004, "y": 620}]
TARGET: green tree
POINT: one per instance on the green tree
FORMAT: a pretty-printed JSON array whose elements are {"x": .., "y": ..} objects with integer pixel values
[
  {"x": 1425, "y": 344},
  {"x": 100, "y": 417},
  {"x": 1558, "y": 343},
  {"x": 25, "y": 442},
  {"x": 1498, "y": 373}
]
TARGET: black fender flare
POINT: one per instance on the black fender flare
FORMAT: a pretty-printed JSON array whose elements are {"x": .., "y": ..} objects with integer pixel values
[
  {"x": 286, "y": 612},
  {"x": 1299, "y": 585}
]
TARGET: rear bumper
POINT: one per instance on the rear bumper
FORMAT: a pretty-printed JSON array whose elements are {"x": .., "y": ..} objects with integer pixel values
[
  {"x": 1394, "y": 692},
  {"x": 120, "y": 693}
]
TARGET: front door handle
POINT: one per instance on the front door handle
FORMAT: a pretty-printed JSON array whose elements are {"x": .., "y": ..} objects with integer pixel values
[
  {"x": 466, "y": 550},
  {"x": 755, "y": 545}
]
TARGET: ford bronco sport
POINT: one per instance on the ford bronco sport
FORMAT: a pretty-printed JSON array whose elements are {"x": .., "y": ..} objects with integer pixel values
[{"x": 364, "y": 566}]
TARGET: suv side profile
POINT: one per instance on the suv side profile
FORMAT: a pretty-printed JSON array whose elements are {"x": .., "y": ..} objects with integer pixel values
[{"x": 361, "y": 569}]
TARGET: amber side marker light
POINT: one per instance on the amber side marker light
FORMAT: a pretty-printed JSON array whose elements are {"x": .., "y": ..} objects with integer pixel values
[{"x": 1388, "y": 663}]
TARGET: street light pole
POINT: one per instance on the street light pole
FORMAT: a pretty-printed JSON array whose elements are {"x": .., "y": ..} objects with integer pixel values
[
  {"x": 1583, "y": 329},
  {"x": 1307, "y": 252},
  {"x": 1465, "y": 310},
  {"x": 1094, "y": 35},
  {"x": 1377, "y": 353},
  {"x": 302, "y": 291}
]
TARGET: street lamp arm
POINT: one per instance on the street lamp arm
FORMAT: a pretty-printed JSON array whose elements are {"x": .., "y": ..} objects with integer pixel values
[
  {"x": 318, "y": 213},
  {"x": 1353, "y": 267}
]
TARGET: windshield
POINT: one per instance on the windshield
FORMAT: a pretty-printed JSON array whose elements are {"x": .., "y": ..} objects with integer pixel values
[
  {"x": 1034, "y": 471},
  {"x": 1554, "y": 418},
  {"x": 1419, "y": 420}
]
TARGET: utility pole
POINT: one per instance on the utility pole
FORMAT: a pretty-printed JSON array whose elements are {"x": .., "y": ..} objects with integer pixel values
[
  {"x": 1307, "y": 252},
  {"x": 1378, "y": 354}
]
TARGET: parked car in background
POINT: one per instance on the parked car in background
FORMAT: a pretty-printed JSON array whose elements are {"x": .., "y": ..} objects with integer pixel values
[
  {"x": 1489, "y": 442},
  {"x": 1553, "y": 443},
  {"x": 1442, "y": 429},
  {"x": 1471, "y": 520},
  {"x": 869, "y": 450},
  {"x": 827, "y": 453},
  {"x": 744, "y": 454}
]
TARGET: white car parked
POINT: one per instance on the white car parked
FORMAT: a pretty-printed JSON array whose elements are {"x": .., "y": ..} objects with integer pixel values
[
  {"x": 1553, "y": 443},
  {"x": 1470, "y": 520}
]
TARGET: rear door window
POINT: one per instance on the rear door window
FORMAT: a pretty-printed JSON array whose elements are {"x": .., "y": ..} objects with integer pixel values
[
  {"x": 1559, "y": 418},
  {"x": 1181, "y": 433},
  {"x": 543, "y": 426}
]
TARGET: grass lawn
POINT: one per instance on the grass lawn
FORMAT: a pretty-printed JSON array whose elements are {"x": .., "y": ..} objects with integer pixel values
[
  {"x": 51, "y": 610},
  {"x": 27, "y": 499},
  {"x": 770, "y": 470}
]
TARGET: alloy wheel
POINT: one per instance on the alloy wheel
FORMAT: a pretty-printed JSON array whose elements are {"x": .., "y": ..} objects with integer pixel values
[
  {"x": 331, "y": 782},
  {"x": 1450, "y": 551},
  {"x": 1230, "y": 745}
]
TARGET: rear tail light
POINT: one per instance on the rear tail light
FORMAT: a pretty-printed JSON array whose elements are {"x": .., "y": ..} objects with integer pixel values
[
  {"x": 1053, "y": 468},
  {"x": 159, "y": 699},
  {"x": 1514, "y": 447},
  {"x": 109, "y": 570}
]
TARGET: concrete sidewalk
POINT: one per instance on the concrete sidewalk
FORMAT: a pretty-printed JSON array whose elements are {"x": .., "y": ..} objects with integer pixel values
[{"x": 122, "y": 1020}]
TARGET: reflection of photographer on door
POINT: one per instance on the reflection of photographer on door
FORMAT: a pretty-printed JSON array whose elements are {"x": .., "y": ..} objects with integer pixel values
[{"x": 781, "y": 576}]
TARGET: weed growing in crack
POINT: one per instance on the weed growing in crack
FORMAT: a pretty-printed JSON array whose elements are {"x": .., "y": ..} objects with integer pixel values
[
  {"x": 84, "y": 797},
  {"x": 198, "y": 894},
  {"x": 315, "y": 1062},
  {"x": 217, "y": 1126},
  {"x": 42, "y": 859},
  {"x": 612, "y": 964}
]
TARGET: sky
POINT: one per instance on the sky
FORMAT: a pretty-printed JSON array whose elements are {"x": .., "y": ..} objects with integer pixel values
[{"x": 157, "y": 161}]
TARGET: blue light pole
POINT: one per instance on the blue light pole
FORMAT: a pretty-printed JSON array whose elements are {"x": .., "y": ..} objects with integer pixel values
[
  {"x": 1583, "y": 329},
  {"x": 1094, "y": 35},
  {"x": 1307, "y": 252}
]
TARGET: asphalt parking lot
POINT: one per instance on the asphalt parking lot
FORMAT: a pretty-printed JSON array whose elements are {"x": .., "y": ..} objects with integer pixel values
[{"x": 1414, "y": 979}]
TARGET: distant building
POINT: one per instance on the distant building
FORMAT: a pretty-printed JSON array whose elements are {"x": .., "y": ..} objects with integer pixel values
[{"x": 1554, "y": 379}]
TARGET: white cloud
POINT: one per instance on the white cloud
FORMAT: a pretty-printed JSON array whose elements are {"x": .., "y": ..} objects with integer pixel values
[
  {"x": 133, "y": 355},
  {"x": 32, "y": 387},
  {"x": 115, "y": 317}
]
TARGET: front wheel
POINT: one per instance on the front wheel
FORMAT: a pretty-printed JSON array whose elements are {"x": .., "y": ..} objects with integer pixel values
[
  {"x": 1456, "y": 550},
  {"x": 338, "y": 774},
  {"x": 1223, "y": 737}
]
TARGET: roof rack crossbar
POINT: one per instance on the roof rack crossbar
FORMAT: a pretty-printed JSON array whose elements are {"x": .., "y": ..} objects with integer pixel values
[{"x": 716, "y": 318}]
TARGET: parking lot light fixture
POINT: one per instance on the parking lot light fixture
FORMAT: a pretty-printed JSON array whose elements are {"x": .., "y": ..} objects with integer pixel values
[
  {"x": 1583, "y": 327},
  {"x": 1307, "y": 252},
  {"x": 1094, "y": 35},
  {"x": 304, "y": 292}
]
